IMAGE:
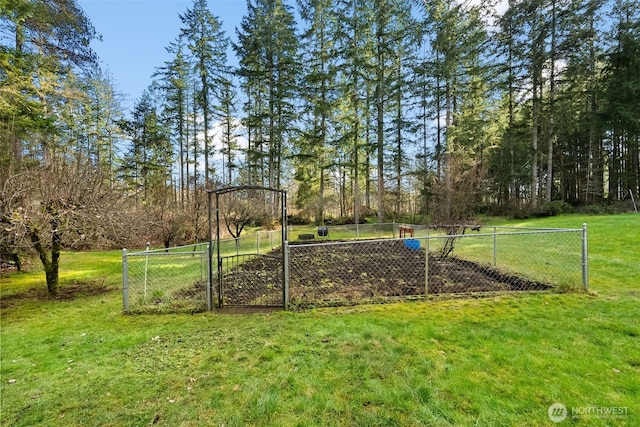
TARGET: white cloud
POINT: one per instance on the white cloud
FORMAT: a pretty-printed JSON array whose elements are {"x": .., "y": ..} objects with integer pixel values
[{"x": 499, "y": 9}]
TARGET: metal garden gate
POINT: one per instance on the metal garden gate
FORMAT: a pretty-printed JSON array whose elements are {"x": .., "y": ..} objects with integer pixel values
[
  {"x": 251, "y": 280},
  {"x": 241, "y": 274}
]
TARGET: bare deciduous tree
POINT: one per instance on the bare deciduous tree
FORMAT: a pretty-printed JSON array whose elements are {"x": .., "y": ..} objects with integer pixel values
[
  {"x": 49, "y": 209},
  {"x": 239, "y": 210}
]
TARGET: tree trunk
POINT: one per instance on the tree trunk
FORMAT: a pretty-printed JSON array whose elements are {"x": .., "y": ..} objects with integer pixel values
[
  {"x": 380, "y": 144},
  {"x": 356, "y": 119},
  {"x": 399, "y": 143},
  {"x": 50, "y": 265},
  {"x": 439, "y": 151},
  {"x": 356, "y": 165},
  {"x": 380, "y": 132},
  {"x": 552, "y": 89},
  {"x": 320, "y": 214},
  {"x": 183, "y": 147},
  {"x": 534, "y": 139}
]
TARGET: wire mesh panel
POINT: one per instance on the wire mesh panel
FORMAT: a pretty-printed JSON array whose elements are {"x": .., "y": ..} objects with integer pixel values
[
  {"x": 358, "y": 231},
  {"x": 251, "y": 243},
  {"x": 354, "y": 271},
  {"x": 166, "y": 280},
  {"x": 480, "y": 262},
  {"x": 551, "y": 256},
  {"x": 252, "y": 280}
]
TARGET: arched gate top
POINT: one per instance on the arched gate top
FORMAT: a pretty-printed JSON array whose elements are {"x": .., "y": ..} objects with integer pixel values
[{"x": 230, "y": 189}]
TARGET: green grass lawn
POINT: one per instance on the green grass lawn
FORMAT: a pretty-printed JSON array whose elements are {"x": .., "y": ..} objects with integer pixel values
[{"x": 77, "y": 360}]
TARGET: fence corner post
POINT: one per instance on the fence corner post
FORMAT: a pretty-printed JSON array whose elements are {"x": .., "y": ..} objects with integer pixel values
[
  {"x": 495, "y": 246},
  {"x": 426, "y": 267},
  {"x": 209, "y": 286},
  {"x": 585, "y": 258},
  {"x": 125, "y": 281},
  {"x": 285, "y": 267}
]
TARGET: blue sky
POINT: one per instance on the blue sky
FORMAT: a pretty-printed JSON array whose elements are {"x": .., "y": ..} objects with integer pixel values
[{"x": 135, "y": 34}]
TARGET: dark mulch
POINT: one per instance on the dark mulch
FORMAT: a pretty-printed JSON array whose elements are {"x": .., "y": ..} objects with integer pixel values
[{"x": 363, "y": 270}]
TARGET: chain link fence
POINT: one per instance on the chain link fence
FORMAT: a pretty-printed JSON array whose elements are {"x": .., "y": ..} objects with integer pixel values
[
  {"x": 161, "y": 280},
  {"x": 176, "y": 279},
  {"x": 476, "y": 261},
  {"x": 424, "y": 263},
  {"x": 261, "y": 242},
  {"x": 358, "y": 231}
]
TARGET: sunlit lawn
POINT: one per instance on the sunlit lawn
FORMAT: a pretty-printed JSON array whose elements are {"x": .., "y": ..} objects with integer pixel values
[{"x": 495, "y": 361}]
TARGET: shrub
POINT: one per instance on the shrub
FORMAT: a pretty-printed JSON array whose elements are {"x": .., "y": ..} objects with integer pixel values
[
  {"x": 298, "y": 220},
  {"x": 552, "y": 208}
]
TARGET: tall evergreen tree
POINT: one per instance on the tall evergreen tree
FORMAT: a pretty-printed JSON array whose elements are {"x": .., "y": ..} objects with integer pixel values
[
  {"x": 622, "y": 95},
  {"x": 50, "y": 39},
  {"x": 103, "y": 111},
  {"x": 208, "y": 44},
  {"x": 318, "y": 94},
  {"x": 229, "y": 129},
  {"x": 253, "y": 83},
  {"x": 269, "y": 66},
  {"x": 175, "y": 78},
  {"x": 147, "y": 164}
]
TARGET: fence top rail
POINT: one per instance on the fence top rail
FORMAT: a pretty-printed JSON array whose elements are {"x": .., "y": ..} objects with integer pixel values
[
  {"x": 165, "y": 252},
  {"x": 425, "y": 226},
  {"x": 511, "y": 227},
  {"x": 446, "y": 236},
  {"x": 509, "y": 233},
  {"x": 174, "y": 248},
  {"x": 251, "y": 255},
  {"x": 299, "y": 227},
  {"x": 476, "y": 227}
]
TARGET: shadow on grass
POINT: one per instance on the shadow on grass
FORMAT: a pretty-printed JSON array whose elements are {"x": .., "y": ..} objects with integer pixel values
[{"x": 66, "y": 292}]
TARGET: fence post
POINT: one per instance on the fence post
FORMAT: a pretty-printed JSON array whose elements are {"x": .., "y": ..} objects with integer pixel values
[
  {"x": 205, "y": 260},
  {"x": 426, "y": 267},
  {"x": 585, "y": 258},
  {"x": 495, "y": 246},
  {"x": 146, "y": 269},
  {"x": 204, "y": 257},
  {"x": 125, "y": 281},
  {"x": 285, "y": 264}
]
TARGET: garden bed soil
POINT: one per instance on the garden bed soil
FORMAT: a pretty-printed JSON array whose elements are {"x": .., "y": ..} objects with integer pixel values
[{"x": 363, "y": 270}]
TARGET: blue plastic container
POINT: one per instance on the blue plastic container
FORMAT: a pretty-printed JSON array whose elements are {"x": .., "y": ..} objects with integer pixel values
[{"x": 413, "y": 244}]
